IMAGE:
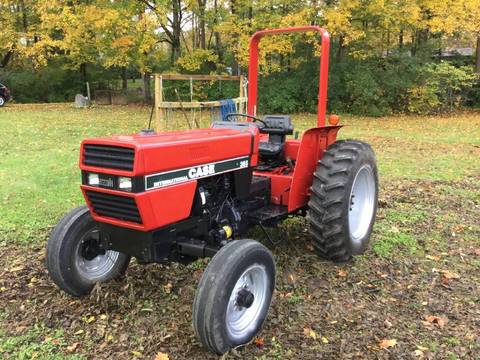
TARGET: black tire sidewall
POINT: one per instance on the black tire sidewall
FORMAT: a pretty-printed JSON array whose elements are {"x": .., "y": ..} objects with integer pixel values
[
  {"x": 365, "y": 158},
  {"x": 226, "y": 270},
  {"x": 62, "y": 253},
  {"x": 84, "y": 224},
  {"x": 231, "y": 278}
]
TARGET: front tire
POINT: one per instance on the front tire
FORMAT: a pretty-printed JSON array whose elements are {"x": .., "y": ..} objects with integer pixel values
[
  {"x": 75, "y": 259},
  {"x": 2, "y": 101},
  {"x": 234, "y": 295},
  {"x": 343, "y": 200}
]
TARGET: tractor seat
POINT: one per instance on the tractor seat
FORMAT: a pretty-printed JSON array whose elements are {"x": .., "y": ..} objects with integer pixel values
[{"x": 277, "y": 127}]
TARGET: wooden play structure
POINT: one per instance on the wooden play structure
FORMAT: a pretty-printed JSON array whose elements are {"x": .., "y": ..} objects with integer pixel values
[{"x": 193, "y": 113}]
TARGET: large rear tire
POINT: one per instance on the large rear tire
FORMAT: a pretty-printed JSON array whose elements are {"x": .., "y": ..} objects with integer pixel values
[
  {"x": 234, "y": 295},
  {"x": 75, "y": 259},
  {"x": 343, "y": 200}
]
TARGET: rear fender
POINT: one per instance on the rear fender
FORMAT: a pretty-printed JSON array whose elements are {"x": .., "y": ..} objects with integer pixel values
[{"x": 314, "y": 142}]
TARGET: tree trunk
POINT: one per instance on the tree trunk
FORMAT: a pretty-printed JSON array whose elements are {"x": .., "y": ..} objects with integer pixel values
[
  {"x": 124, "y": 78},
  {"x": 146, "y": 87},
  {"x": 340, "y": 50},
  {"x": 176, "y": 29},
  {"x": 233, "y": 10},
  {"x": 83, "y": 72},
  {"x": 218, "y": 41},
  {"x": 201, "y": 23},
  {"x": 477, "y": 63},
  {"x": 6, "y": 59}
]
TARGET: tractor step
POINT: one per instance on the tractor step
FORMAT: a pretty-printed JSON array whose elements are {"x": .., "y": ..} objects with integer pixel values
[{"x": 268, "y": 214}]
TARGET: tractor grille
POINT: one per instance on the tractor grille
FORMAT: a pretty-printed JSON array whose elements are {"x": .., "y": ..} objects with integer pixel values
[
  {"x": 112, "y": 157},
  {"x": 118, "y": 207}
]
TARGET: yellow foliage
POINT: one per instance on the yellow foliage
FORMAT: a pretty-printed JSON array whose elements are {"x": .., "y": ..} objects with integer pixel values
[{"x": 193, "y": 61}]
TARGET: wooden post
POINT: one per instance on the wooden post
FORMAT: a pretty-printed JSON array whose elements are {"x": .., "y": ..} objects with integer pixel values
[
  {"x": 241, "y": 95},
  {"x": 158, "y": 100}
]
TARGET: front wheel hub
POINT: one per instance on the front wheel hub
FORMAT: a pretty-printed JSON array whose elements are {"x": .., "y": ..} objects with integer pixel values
[{"x": 245, "y": 298}]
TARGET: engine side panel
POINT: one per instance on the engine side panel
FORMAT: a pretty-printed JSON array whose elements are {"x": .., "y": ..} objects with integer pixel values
[{"x": 157, "y": 207}]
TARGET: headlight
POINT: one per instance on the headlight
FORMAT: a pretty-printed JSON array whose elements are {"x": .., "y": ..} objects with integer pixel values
[
  {"x": 93, "y": 179},
  {"x": 125, "y": 183}
]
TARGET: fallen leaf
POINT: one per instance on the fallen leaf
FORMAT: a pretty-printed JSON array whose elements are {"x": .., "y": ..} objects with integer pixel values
[
  {"x": 310, "y": 333},
  {"x": 292, "y": 278},
  {"x": 79, "y": 332},
  {"x": 342, "y": 273},
  {"x": 324, "y": 340},
  {"x": 418, "y": 353},
  {"x": 72, "y": 348},
  {"x": 432, "y": 319},
  {"x": 161, "y": 356},
  {"x": 387, "y": 343},
  {"x": 90, "y": 319},
  {"x": 447, "y": 274},
  {"x": 259, "y": 341},
  {"x": 168, "y": 288},
  {"x": 17, "y": 268},
  {"x": 432, "y": 257},
  {"x": 395, "y": 230}
]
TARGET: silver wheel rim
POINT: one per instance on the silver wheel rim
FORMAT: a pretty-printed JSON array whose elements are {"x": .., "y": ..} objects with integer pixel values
[
  {"x": 2, "y": 101},
  {"x": 97, "y": 268},
  {"x": 243, "y": 321},
  {"x": 362, "y": 204}
]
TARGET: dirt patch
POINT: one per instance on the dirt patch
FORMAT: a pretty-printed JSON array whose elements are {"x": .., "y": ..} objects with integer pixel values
[{"x": 407, "y": 303}]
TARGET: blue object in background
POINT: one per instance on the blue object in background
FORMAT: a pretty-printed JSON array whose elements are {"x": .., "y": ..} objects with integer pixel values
[{"x": 227, "y": 106}]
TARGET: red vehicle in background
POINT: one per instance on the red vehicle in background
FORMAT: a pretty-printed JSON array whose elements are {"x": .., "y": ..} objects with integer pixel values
[{"x": 4, "y": 95}]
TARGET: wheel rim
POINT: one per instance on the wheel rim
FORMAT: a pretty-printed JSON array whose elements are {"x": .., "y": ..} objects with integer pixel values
[
  {"x": 241, "y": 320},
  {"x": 90, "y": 265},
  {"x": 2, "y": 101},
  {"x": 362, "y": 204}
]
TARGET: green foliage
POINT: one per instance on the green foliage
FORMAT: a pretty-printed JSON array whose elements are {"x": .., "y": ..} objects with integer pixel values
[
  {"x": 48, "y": 84},
  {"x": 442, "y": 87},
  {"x": 372, "y": 87},
  {"x": 364, "y": 93},
  {"x": 38, "y": 343}
]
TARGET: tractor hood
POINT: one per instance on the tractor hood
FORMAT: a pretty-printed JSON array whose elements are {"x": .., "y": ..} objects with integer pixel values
[{"x": 144, "y": 154}]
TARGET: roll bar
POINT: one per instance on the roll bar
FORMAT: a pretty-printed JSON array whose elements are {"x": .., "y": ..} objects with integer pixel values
[{"x": 322, "y": 81}]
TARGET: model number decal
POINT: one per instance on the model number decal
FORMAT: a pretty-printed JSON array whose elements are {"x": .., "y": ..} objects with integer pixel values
[{"x": 159, "y": 180}]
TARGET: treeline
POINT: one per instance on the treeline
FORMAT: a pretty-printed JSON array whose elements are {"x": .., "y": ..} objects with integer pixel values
[{"x": 387, "y": 55}]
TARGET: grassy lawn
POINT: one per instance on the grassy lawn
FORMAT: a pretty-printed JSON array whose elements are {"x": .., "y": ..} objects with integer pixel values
[{"x": 424, "y": 259}]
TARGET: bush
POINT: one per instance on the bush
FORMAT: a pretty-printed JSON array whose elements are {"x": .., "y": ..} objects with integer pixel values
[
  {"x": 441, "y": 87},
  {"x": 49, "y": 84}
]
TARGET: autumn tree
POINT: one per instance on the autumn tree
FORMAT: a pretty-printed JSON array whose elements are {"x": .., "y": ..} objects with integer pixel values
[
  {"x": 17, "y": 19},
  {"x": 457, "y": 18}
]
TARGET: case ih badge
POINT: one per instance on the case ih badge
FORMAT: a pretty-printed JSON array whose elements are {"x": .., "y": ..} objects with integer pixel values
[
  {"x": 196, "y": 172},
  {"x": 249, "y": 174}
]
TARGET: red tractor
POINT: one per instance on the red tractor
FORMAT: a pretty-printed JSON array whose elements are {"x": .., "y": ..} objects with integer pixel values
[{"x": 183, "y": 195}]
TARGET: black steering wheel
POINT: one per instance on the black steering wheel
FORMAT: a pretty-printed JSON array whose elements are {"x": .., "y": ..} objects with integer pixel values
[{"x": 255, "y": 119}]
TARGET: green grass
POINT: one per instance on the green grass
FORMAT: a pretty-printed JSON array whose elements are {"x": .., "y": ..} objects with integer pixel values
[
  {"x": 37, "y": 343},
  {"x": 39, "y": 163}
]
